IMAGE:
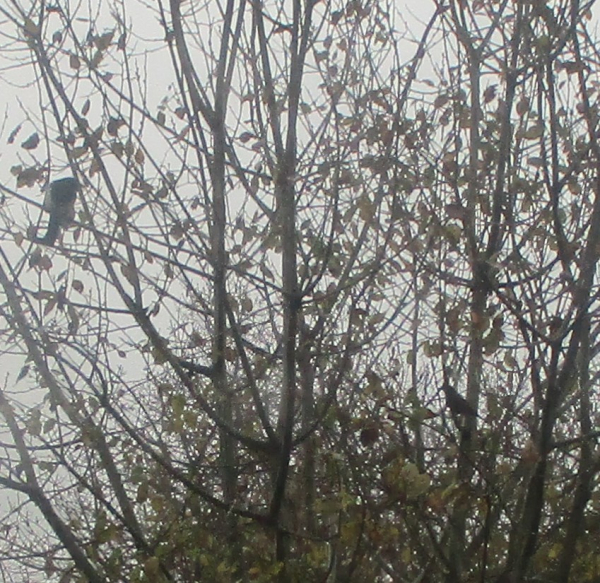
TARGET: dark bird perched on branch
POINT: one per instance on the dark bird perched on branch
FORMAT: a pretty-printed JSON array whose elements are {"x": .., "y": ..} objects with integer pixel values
[
  {"x": 457, "y": 403},
  {"x": 59, "y": 202}
]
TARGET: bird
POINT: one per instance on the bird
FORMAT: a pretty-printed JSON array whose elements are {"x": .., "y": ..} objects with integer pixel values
[
  {"x": 59, "y": 202},
  {"x": 456, "y": 402}
]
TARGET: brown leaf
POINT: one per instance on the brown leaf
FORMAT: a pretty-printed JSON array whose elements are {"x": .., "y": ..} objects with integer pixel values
[
  {"x": 129, "y": 273},
  {"x": 530, "y": 454},
  {"x": 13, "y": 134},
  {"x": 23, "y": 373},
  {"x": 489, "y": 93},
  {"x": 113, "y": 125},
  {"x": 177, "y": 231},
  {"x": 96, "y": 59},
  {"x": 117, "y": 149},
  {"x": 369, "y": 435},
  {"x": 103, "y": 41},
  {"x": 456, "y": 211},
  {"x": 79, "y": 151},
  {"x": 50, "y": 305},
  {"x": 31, "y": 27},
  {"x": 31, "y": 142}
]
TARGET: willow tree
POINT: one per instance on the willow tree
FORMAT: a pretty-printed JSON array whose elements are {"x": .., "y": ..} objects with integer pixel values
[{"x": 297, "y": 222}]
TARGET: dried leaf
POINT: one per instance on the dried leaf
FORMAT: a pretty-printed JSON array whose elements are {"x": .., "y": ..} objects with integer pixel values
[
  {"x": 103, "y": 41},
  {"x": 74, "y": 61},
  {"x": 23, "y": 373},
  {"x": 31, "y": 142}
]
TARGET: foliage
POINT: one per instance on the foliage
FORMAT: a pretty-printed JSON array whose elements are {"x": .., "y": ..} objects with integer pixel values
[{"x": 290, "y": 235}]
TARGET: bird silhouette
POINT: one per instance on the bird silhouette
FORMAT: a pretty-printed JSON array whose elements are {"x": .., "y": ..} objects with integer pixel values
[
  {"x": 456, "y": 402},
  {"x": 59, "y": 202}
]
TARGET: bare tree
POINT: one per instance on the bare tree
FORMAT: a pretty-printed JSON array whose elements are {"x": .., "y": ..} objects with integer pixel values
[{"x": 328, "y": 311}]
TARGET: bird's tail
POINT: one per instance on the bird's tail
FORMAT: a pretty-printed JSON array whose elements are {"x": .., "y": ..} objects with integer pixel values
[{"x": 52, "y": 233}]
